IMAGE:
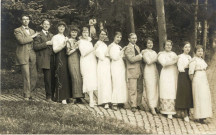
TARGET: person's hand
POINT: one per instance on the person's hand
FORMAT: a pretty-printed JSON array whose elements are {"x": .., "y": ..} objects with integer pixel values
[
  {"x": 34, "y": 35},
  {"x": 96, "y": 46},
  {"x": 49, "y": 42},
  {"x": 124, "y": 48}
]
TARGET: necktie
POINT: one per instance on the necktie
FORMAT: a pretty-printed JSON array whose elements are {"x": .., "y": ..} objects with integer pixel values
[{"x": 136, "y": 52}]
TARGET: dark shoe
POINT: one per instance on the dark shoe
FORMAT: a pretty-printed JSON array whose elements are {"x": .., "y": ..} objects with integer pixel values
[
  {"x": 141, "y": 108},
  {"x": 133, "y": 109},
  {"x": 78, "y": 101},
  {"x": 31, "y": 98},
  {"x": 203, "y": 121}
]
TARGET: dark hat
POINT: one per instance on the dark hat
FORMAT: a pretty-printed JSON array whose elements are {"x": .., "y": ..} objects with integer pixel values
[
  {"x": 74, "y": 28},
  {"x": 61, "y": 23}
]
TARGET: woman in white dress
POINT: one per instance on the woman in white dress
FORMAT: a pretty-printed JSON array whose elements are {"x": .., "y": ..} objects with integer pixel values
[
  {"x": 168, "y": 79},
  {"x": 200, "y": 86},
  {"x": 88, "y": 65},
  {"x": 103, "y": 72},
  {"x": 151, "y": 77},
  {"x": 119, "y": 95}
]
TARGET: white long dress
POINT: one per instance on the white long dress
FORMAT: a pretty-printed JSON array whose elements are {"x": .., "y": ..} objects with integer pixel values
[
  {"x": 88, "y": 65},
  {"x": 200, "y": 88},
  {"x": 168, "y": 82},
  {"x": 103, "y": 74},
  {"x": 151, "y": 77},
  {"x": 119, "y": 94}
]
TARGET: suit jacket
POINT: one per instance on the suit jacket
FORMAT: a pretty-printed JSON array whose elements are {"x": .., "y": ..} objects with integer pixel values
[
  {"x": 24, "y": 45},
  {"x": 133, "y": 62},
  {"x": 43, "y": 51}
]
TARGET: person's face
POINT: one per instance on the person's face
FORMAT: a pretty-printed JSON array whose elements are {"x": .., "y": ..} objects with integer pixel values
[
  {"x": 168, "y": 46},
  {"x": 61, "y": 28},
  {"x": 199, "y": 52},
  {"x": 149, "y": 44},
  {"x": 46, "y": 25},
  {"x": 187, "y": 48},
  {"x": 117, "y": 39},
  {"x": 133, "y": 39},
  {"x": 103, "y": 36},
  {"x": 25, "y": 20},
  {"x": 73, "y": 34},
  {"x": 85, "y": 34}
]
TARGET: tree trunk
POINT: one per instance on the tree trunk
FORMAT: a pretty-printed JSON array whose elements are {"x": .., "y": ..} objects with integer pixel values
[
  {"x": 195, "y": 23},
  {"x": 131, "y": 17},
  {"x": 161, "y": 23},
  {"x": 205, "y": 30}
]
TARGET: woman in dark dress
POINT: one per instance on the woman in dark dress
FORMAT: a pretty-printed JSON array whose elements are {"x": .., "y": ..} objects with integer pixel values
[
  {"x": 74, "y": 65},
  {"x": 62, "y": 78},
  {"x": 184, "y": 97}
]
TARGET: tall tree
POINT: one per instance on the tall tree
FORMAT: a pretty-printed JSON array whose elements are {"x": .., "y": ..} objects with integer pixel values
[
  {"x": 195, "y": 22},
  {"x": 161, "y": 23},
  {"x": 205, "y": 29},
  {"x": 131, "y": 16}
]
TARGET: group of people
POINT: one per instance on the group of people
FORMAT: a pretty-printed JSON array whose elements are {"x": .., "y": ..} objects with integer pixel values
[{"x": 73, "y": 66}]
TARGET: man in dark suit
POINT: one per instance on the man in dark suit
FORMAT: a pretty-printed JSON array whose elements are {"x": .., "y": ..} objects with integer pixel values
[
  {"x": 45, "y": 58},
  {"x": 25, "y": 55},
  {"x": 134, "y": 72}
]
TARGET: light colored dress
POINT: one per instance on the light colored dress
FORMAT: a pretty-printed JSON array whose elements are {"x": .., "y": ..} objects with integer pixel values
[
  {"x": 200, "y": 88},
  {"x": 103, "y": 74},
  {"x": 168, "y": 81},
  {"x": 88, "y": 65},
  {"x": 151, "y": 77},
  {"x": 119, "y": 94}
]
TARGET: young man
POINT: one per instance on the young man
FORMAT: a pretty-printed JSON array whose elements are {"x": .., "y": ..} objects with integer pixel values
[
  {"x": 45, "y": 58},
  {"x": 25, "y": 56},
  {"x": 134, "y": 73}
]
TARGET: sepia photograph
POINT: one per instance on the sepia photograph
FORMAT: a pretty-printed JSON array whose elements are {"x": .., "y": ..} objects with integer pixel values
[{"x": 108, "y": 67}]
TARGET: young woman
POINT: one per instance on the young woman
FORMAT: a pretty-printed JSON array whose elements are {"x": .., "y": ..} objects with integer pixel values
[
  {"x": 103, "y": 72},
  {"x": 116, "y": 53},
  {"x": 168, "y": 79},
  {"x": 74, "y": 65},
  {"x": 200, "y": 86},
  {"x": 184, "y": 99},
  {"x": 88, "y": 65},
  {"x": 151, "y": 77},
  {"x": 62, "y": 85}
]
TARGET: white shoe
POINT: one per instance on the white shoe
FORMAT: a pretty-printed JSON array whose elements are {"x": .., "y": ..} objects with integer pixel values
[
  {"x": 106, "y": 106},
  {"x": 91, "y": 105},
  {"x": 64, "y": 102},
  {"x": 186, "y": 119},
  {"x": 169, "y": 116}
]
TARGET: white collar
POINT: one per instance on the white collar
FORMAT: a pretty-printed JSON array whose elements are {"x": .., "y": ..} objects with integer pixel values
[
  {"x": 45, "y": 32},
  {"x": 25, "y": 27}
]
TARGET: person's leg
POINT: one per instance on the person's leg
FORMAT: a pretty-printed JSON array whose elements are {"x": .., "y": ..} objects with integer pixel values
[
  {"x": 52, "y": 70},
  {"x": 91, "y": 99},
  {"x": 140, "y": 92},
  {"x": 132, "y": 90},
  {"x": 33, "y": 70},
  {"x": 26, "y": 80},
  {"x": 47, "y": 82}
]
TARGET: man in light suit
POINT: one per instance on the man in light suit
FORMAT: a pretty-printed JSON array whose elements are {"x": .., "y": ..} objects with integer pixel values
[
  {"x": 25, "y": 56},
  {"x": 45, "y": 58},
  {"x": 134, "y": 72}
]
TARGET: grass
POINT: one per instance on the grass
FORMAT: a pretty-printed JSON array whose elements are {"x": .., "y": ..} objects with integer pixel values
[{"x": 33, "y": 117}]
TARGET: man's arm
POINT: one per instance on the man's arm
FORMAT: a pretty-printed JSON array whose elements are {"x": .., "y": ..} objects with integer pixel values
[
  {"x": 21, "y": 38},
  {"x": 38, "y": 44},
  {"x": 129, "y": 53}
]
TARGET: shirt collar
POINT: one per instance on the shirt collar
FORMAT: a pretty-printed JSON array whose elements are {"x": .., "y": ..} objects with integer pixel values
[
  {"x": 131, "y": 44},
  {"x": 45, "y": 32},
  {"x": 25, "y": 27}
]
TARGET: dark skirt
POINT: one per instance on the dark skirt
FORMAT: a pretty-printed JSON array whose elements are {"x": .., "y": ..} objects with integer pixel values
[
  {"x": 76, "y": 78},
  {"x": 184, "y": 97},
  {"x": 62, "y": 78}
]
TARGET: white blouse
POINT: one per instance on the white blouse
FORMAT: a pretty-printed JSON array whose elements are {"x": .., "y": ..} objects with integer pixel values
[
  {"x": 197, "y": 64},
  {"x": 149, "y": 56},
  {"x": 183, "y": 62},
  {"x": 167, "y": 58},
  {"x": 58, "y": 42}
]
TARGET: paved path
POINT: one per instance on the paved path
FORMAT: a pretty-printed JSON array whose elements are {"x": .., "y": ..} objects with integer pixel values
[{"x": 156, "y": 124}]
